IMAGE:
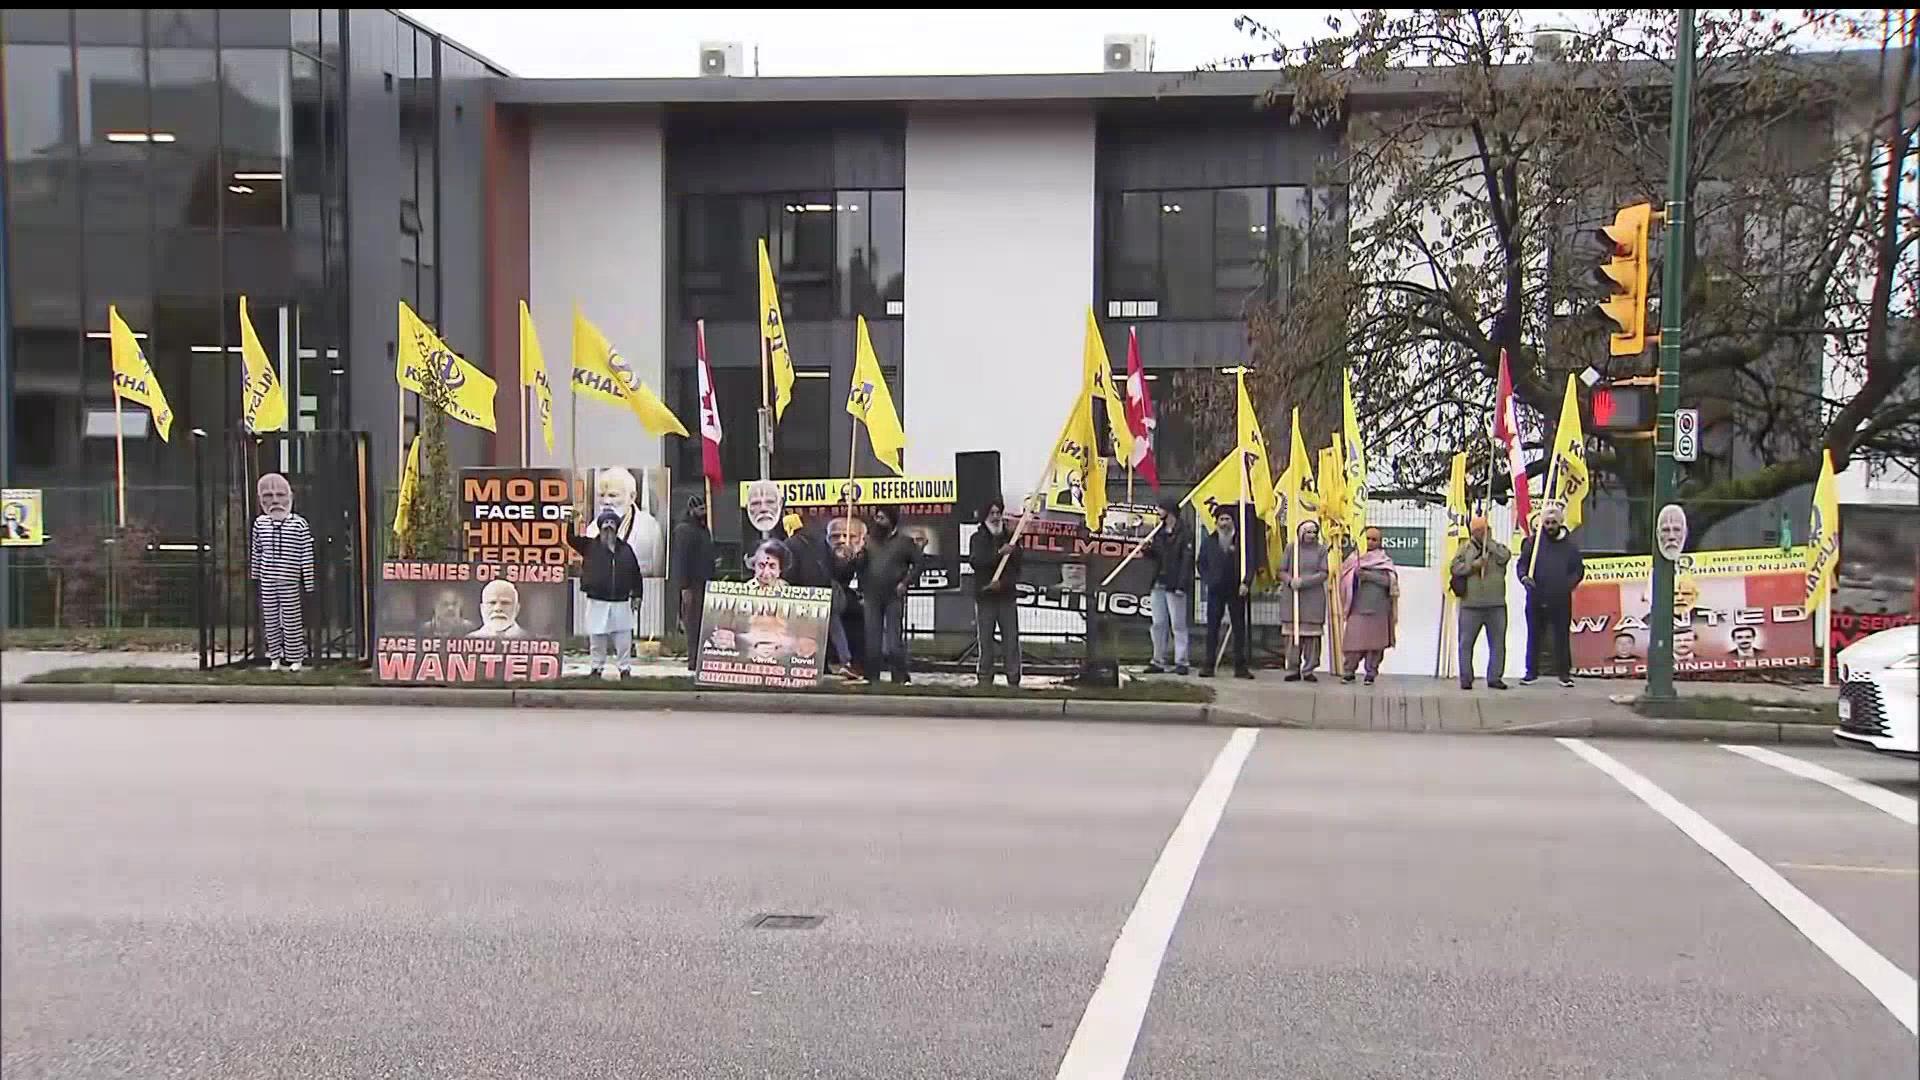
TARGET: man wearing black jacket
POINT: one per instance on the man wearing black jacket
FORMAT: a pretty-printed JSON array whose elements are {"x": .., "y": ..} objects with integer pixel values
[
  {"x": 813, "y": 567},
  {"x": 994, "y": 601},
  {"x": 1229, "y": 584},
  {"x": 610, "y": 576},
  {"x": 691, "y": 562},
  {"x": 1171, "y": 551},
  {"x": 1550, "y": 580},
  {"x": 886, "y": 567}
]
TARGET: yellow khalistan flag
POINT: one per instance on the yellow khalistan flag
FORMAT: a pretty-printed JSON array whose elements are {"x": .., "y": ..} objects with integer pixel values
[
  {"x": 1333, "y": 495},
  {"x": 1459, "y": 514},
  {"x": 600, "y": 371},
  {"x": 773, "y": 330},
  {"x": 1569, "y": 464},
  {"x": 1353, "y": 461},
  {"x": 1097, "y": 374},
  {"x": 1219, "y": 488},
  {"x": 533, "y": 373},
  {"x": 1823, "y": 534},
  {"x": 1294, "y": 497},
  {"x": 1253, "y": 449},
  {"x": 409, "y": 483},
  {"x": 469, "y": 390},
  {"x": 869, "y": 399},
  {"x": 133, "y": 377},
  {"x": 263, "y": 403},
  {"x": 1077, "y": 460}
]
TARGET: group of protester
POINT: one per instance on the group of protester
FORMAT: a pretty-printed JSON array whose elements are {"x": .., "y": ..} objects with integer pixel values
[{"x": 867, "y": 631}]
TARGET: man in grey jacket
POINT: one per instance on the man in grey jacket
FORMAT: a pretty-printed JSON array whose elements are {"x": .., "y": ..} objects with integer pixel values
[{"x": 1481, "y": 564}]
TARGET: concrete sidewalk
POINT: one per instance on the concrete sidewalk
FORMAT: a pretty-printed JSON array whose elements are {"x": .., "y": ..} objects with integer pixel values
[{"x": 17, "y": 664}]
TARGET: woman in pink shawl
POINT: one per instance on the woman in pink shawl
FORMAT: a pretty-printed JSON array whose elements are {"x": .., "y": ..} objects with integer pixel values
[{"x": 1370, "y": 597}]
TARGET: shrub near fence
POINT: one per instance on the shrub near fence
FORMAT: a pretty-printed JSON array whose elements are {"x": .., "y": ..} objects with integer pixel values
[{"x": 92, "y": 574}]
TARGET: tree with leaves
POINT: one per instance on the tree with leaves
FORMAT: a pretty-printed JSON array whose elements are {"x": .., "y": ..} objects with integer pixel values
[
  {"x": 433, "y": 525},
  {"x": 1478, "y": 157}
]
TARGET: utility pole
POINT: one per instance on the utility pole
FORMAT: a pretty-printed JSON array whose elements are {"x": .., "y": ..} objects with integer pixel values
[{"x": 1673, "y": 283}]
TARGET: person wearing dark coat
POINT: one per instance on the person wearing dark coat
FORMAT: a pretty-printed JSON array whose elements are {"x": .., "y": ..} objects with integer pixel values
[
  {"x": 691, "y": 561},
  {"x": 610, "y": 576},
  {"x": 887, "y": 565},
  {"x": 813, "y": 567},
  {"x": 994, "y": 601},
  {"x": 1229, "y": 590},
  {"x": 1171, "y": 552},
  {"x": 1550, "y": 580}
]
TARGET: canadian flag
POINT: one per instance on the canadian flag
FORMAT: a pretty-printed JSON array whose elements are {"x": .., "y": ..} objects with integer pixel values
[
  {"x": 1140, "y": 419},
  {"x": 709, "y": 411},
  {"x": 1506, "y": 432}
]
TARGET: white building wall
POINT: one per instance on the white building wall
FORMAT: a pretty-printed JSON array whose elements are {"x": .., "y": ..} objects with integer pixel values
[
  {"x": 1000, "y": 253},
  {"x": 597, "y": 225}
]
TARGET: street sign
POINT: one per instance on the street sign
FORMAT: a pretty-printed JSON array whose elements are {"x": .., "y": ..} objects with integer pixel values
[{"x": 1686, "y": 434}]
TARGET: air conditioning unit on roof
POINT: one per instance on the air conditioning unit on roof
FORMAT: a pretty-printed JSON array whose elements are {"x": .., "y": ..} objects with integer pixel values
[{"x": 1127, "y": 52}]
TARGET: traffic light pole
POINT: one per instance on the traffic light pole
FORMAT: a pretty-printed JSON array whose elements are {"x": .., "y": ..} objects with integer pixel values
[{"x": 1673, "y": 285}]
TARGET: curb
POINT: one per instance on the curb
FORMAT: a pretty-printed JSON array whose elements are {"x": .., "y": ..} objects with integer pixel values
[
  {"x": 635, "y": 701},
  {"x": 963, "y": 708}
]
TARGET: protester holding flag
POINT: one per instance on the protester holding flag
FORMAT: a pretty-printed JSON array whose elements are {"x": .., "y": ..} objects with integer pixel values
[
  {"x": 994, "y": 597},
  {"x": 1550, "y": 576},
  {"x": 1303, "y": 582},
  {"x": 1370, "y": 600},
  {"x": 691, "y": 561},
  {"x": 886, "y": 566},
  {"x": 1478, "y": 576},
  {"x": 1171, "y": 550},
  {"x": 1228, "y": 577}
]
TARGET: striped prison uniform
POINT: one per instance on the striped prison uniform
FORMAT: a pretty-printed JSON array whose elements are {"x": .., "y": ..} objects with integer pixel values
[{"x": 281, "y": 562}]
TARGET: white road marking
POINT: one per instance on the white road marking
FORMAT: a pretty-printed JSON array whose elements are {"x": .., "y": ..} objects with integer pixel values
[
  {"x": 1849, "y": 868},
  {"x": 1873, "y": 795},
  {"x": 1103, "y": 1043},
  {"x": 1894, "y": 988}
]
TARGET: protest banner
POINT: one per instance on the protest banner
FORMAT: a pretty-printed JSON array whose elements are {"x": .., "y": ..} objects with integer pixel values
[
  {"x": 928, "y": 513},
  {"x": 766, "y": 637},
  {"x": 1737, "y": 610},
  {"x": 1878, "y": 586},
  {"x": 465, "y": 623},
  {"x": 516, "y": 515},
  {"x": 1055, "y": 544},
  {"x": 22, "y": 519}
]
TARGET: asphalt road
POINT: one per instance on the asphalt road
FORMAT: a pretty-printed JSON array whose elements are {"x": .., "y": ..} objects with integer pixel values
[{"x": 227, "y": 892}]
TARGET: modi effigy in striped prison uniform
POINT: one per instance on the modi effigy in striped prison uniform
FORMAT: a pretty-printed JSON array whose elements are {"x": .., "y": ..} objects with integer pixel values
[{"x": 281, "y": 562}]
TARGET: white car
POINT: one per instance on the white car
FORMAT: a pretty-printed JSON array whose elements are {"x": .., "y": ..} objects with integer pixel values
[{"x": 1880, "y": 693}]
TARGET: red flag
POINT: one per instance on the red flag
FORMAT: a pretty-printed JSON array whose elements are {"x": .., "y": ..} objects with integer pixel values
[
  {"x": 1140, "y": 419},
  {"x": 1506, "y": 432},
  {"x": 709, "y": 411}
]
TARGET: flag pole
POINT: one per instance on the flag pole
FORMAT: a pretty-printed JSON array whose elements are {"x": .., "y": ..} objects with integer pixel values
[
  {"x": 119, "y": 458},
  {"x": 1826, "y": 637},
  {"x": 766, "y": 411},
  {"x": 1546, "y": 497},
  {"x": 853, "y": 451},
  {"x": 1131, "y": 555},
  {"x": 706, "y": 483}
]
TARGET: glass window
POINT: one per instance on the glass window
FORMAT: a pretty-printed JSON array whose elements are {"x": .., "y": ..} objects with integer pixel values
[
  {"x": 720, "y": 269},
  {"x": 1133, "y": 251},
  {"x": 181, "y": 28},
  {"x": 1289, "y": 234},
  {"x": 40, "y": 136},
  {"x": 114, "y": 136},
  {"x": 887, "y": 251},
  {"x": 107, "y": 26},
  {"x": 1240, "y": 231},
  {"x": 1186, "y": 254},
  {"x": 264, "y": 28},
  {"x": 803, "y": 261},
  {"x": 304, "y": 30},
  {"x": 853, "y": 263},
  {"x": 184, "y": 165},
  {"x": 256, "y": 124},
  {"x": 20, "y": 26}
]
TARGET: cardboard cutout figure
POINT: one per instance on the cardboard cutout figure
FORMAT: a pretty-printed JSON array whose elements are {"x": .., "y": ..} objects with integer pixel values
[
  {"x": 615, "y": 489},
  {"x": 1670, "y": 528},
  {"x": 280, "y": 562}
]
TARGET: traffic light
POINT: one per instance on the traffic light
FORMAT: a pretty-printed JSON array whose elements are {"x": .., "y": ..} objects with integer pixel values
[
  {"x": 1625, "y": 274},
  {"x": 1624, "y": 408}
]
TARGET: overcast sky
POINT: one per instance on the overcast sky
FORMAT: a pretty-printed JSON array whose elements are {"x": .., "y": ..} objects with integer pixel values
[{"x": 818, "y": 41}]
